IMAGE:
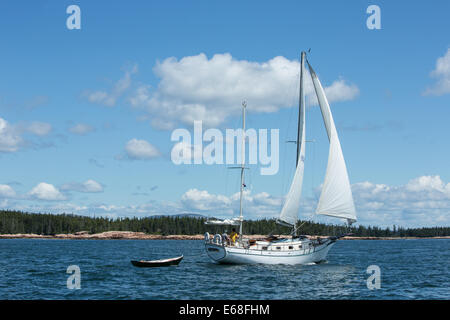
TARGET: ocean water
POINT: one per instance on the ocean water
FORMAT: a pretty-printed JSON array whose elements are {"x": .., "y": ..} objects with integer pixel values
[{"x": 36, "y": 269}]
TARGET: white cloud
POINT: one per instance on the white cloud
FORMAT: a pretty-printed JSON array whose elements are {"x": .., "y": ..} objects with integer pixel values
[
  {"x": 46, "y": 191},
  {"x": 81, "y": 129},
  {"x": 89, "y": 186},
  {"x": 423, "y": 201},
  {"x": 339, "y": 90},
  {"x": 92, "y": 186},
  {"x": 204, "y": 201},
  {"x": 110, "y": 98},
  {"x": 141, "y": 150},
  {"x": 198, "y": 88},
  {"x": 428, "y": 183},
  {"x": 6, "y": 191},
  {"x": 442, "y": 75},
  {"x": 10, "y": 140},
  {"x": 260, "y": 205}
]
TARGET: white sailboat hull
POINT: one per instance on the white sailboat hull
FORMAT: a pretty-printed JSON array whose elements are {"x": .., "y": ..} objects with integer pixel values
[{"x": 238, "y": 255}]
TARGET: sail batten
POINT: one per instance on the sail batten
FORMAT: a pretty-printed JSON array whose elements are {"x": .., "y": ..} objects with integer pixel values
[{"x": 336, "y": 199}]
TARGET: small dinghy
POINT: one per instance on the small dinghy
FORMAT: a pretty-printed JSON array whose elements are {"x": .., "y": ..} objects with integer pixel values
[{"x": 157, "y": 263}]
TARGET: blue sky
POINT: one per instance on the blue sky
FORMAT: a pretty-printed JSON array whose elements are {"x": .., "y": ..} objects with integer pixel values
[{"x": 73, "y": 101}]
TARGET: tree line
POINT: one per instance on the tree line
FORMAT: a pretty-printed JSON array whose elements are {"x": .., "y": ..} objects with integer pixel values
[{"x": 13, "y": 222}]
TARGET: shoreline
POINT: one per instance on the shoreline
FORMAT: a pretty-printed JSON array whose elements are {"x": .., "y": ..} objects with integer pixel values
[{"x": 129, "y": 235}]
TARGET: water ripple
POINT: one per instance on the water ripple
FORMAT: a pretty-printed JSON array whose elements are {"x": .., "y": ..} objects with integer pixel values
[{"x": 36, "y": 269}]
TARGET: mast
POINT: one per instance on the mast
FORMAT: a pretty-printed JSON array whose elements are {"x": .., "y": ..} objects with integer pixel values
[
  {"x": 244, "y": 105},
  {"x": 289, "y": 212},
  {"x": 301, "y": 117},
  {"x": 301, "y": 107}
]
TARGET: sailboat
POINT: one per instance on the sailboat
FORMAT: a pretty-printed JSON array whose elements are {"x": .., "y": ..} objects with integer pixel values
[{"x": 336, "y": 200}]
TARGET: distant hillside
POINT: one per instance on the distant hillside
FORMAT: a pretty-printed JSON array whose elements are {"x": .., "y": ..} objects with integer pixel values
[{"x": 13, "y": 222}]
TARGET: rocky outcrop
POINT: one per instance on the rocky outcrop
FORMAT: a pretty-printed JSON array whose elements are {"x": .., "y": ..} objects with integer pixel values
[{"x": 110, "y": 235}]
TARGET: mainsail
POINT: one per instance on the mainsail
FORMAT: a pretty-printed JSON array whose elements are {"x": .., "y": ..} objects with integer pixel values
[
  {"x": 289, "y": 213},
  {"x": 336, "y": 199}
]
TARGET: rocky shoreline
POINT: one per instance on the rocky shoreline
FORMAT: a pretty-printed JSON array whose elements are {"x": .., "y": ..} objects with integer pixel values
[{"x": 128, "y": 235}]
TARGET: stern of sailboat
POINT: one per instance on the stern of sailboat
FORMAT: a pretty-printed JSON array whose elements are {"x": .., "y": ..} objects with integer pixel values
[{"x": 215, "y": 252}]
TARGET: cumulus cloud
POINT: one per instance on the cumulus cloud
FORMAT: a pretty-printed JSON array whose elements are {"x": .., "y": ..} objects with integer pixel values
[
  {"x": 89, "y": 186},
  {"x": 429, "y": 184},
  {"x": 141, "y": 150},
  {"x": 81, "y": 129},
  {"x": 198, "y": 88},
  {"x": 423, "y": 201},
  {"x": 203, "y": 200},
  {"x": 10, "y": 140},
  {"x": 109, "y": 98},
  {"x": 46, "y": 191},
  {"x": 260, "y": 205},
  {"x": 6, "y": 191},
  {"x": 442, "y": 75},
  {"x": 339, "y": 90},
  {"x": 11, "y": 136}
]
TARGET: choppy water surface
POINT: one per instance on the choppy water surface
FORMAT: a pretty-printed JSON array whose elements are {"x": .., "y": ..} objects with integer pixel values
[{"x": 36, "y": 269}]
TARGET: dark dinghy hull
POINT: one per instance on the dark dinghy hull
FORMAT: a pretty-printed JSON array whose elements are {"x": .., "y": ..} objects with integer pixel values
[{"x": 157, "y": 263}]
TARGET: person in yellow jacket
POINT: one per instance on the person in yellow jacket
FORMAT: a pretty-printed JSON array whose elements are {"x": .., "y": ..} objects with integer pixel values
[{"x": 234, "y": 235}]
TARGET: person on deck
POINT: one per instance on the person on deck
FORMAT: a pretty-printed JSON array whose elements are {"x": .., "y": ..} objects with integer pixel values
[
  {"x": 234, "y": 235},
  {"x": 225, "y": 238}
]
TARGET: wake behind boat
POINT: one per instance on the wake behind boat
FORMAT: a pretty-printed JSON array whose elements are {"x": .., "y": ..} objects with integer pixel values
[{"x": 336, "y": 200}]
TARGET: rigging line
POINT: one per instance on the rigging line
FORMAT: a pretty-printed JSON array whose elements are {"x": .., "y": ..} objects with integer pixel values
[
  {"x": 305, "y": 221},
  {"x": 309, "y": 219}
]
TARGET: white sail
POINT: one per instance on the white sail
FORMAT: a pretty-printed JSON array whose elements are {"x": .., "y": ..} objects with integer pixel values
[
  {"x": 289, "y": 212},
  {"x": 336, "y": 199}
]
